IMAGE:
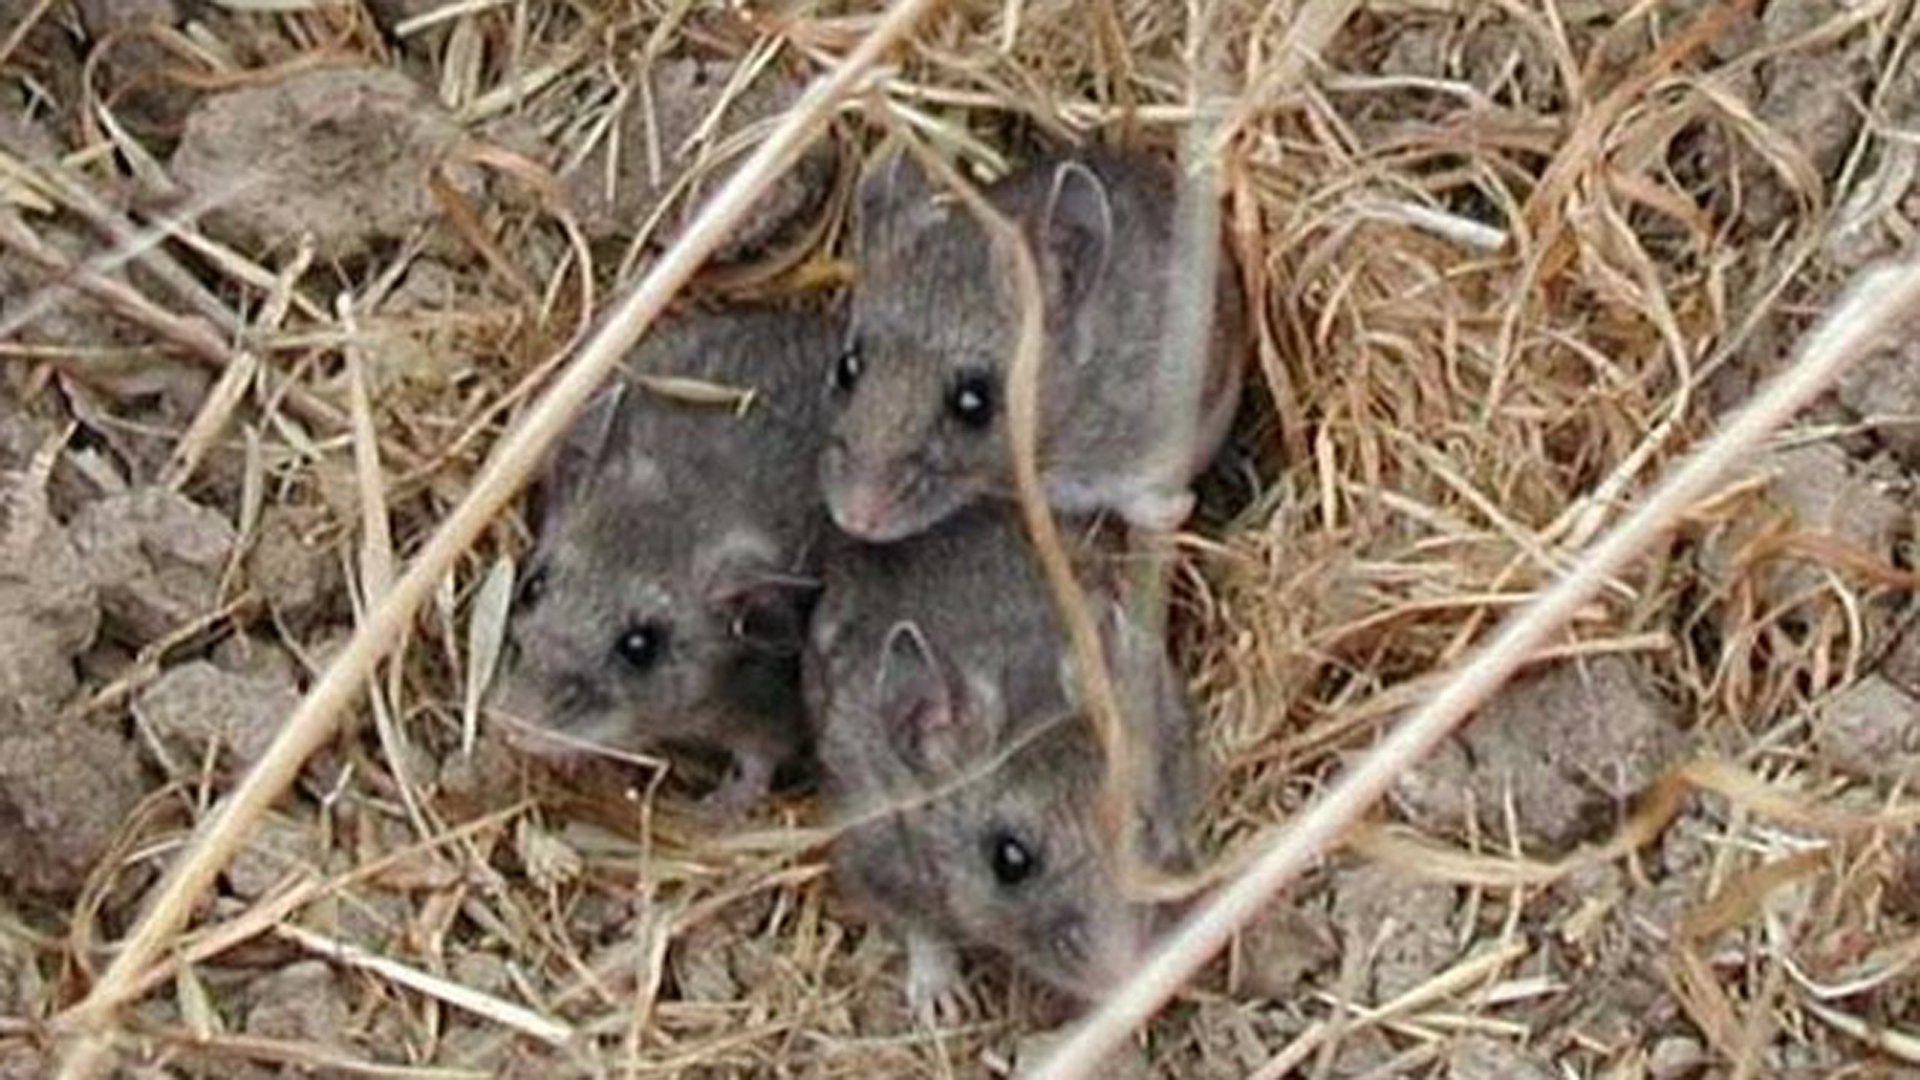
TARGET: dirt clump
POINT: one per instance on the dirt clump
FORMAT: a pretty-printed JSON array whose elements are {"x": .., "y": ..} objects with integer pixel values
[
  {"x": 1403, "y": 924},
  {"x": 1871, "y": 729},
  {"x": 1566, "y": 747},
  {"x": 156, "y": 558},
  {"x": 1884, "y": 391},
  {"x": 1817, "y": 492},
  {"x": 67, "y": 788},
  {"x": 1477, "y": 1057},
  {"x": 340, "y": 155},
  {"x": 301, "y": 1001},
  {"x": 198, "y": 709},
  {"x": 49, "y": 606}
]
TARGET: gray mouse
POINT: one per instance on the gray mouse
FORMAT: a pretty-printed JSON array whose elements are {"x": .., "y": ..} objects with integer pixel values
[
  {"x": 672, "y": 574},
  {"x": 964, "y": 778},
  {"x": 919, "y": 392}
]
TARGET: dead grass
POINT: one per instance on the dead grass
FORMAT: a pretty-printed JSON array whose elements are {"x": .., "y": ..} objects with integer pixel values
[{"x": 1513, "y": 263}]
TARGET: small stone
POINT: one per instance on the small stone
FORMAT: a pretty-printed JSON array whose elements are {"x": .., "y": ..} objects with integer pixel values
[
  {"x": 1568, "y": 746},
  {"x": 1822, "y": 491},
  {"x": 277, "y": 847},
  {"x": 1281, "y": 947},
  {"x": 1675, "y": 1058},
  {"x": 1477, "y": 1057},
  {"x": 484, "y": 972},
  {"x": 49, "y": 609},
  {"x": 34, "y": 667},
  {"x": 1872, "y": 729},
  {"x": 300, "y": 1002},
  {"x": 196, "y": 704},
  {"x": 66, "y": 791},
  {"x": 1885, "y": 389},
  {"x": 702, "y": 967},
  {"x": 1414, "y": 916},
  {"x": 156, "y": 558},
  {"x": 338, "y": 154}
]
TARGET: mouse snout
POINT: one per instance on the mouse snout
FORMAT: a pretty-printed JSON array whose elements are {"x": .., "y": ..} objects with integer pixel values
[
  {"x": 860, "y": 510},
  {"x": 863, "y": 501},
  {"x": 1094, "y": 954}
]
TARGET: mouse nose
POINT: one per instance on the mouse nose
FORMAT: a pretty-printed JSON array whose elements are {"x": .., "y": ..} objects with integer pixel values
[
  {"x": 857, "y": 509},
  {"x": 857, "y": 504}
]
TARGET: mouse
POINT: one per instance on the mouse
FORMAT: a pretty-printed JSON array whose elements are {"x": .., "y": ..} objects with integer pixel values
[
  {"x": 918, "y": 393},
  {"x": 963, "y": 777},
  {"x": 673, "y": 568}
]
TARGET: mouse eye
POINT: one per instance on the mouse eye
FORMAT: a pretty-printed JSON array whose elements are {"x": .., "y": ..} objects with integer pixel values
[
  {"x": 532, "y": 588},
  {"x": 641, "y": 645},
  {"x": 847, "y": 368},
  {"x": 970, "y": 400},
  {"x": 1012, "y": 860}
]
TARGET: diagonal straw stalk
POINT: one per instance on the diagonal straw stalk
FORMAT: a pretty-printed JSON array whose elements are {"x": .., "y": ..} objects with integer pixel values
[
  {"x": 1877, "y": 303},
  {"x": 522, "y": 449}
]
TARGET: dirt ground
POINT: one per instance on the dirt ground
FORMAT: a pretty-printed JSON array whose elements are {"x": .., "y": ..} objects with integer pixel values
[{"x": 272, "y": 283}]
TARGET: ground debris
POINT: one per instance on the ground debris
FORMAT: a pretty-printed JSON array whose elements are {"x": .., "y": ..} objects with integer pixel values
[
  {"x": 342, "y": 155},
  {"x": 651, "y": 139},
  {"x": 1566, "y": 747},
  {"x": 156, "y": 558}
]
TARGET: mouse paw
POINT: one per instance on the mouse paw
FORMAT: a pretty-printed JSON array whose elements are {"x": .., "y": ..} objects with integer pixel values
[
  {"x": 936, "y": 990},
  {"x": 1157, "y": 510},
  {"x": 743, "y": 789}
]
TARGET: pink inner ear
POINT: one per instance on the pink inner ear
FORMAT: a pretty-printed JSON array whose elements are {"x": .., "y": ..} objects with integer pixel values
[
  {"x": 916, "y": 702},
  {"x": 1077, "y": 228}
]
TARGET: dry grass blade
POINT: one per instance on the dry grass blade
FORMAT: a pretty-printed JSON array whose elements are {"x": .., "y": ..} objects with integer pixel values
[
  {"x": 1877, "y": 304},
  {"x": 520, "y": 1019},
  {"x": 513, "y": 462},
  {"x": 486, "y": 637}
]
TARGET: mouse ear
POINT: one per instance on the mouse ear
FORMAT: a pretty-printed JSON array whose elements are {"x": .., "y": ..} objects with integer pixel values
[
  {"x": 762, "y": 606},
  {"x": 893, "y": 188},
  {"x": 919, "y": 705},
  {"x": 579, "y": 454},
  {"x": 1076, "y": 233}
]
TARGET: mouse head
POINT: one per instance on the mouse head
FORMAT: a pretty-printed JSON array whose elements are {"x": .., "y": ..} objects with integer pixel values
[
  {"x": 918, "y": 393},
  {"x": 1012, "y": 825},
  {"x": 629, "y": 627}
]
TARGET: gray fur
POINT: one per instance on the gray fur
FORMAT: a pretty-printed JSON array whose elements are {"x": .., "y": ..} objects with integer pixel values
[
  {"x": 660, "y": 512},
  {"x": 935, "y": 675},
  {"x": 933, "y": 301}
]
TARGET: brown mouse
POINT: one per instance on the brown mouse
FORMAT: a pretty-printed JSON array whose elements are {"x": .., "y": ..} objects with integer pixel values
[
  {"x": 964, "y": 778},
  {"x": 919, "y": 426},
  {"x": 666, "y": 596}
]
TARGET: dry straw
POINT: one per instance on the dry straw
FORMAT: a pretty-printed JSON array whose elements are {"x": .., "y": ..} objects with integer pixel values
[
  {"x": 313, "y": 723},
  {"x": 1880, "y": 302},
  {"x": 1560, "y": 338}
]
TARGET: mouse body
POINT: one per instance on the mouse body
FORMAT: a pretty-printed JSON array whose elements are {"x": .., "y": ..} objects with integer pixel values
[
  {"x": 963, "y": 777},
  {"x": 665, "y": 600},
  {"x": 919, "y": 418}
]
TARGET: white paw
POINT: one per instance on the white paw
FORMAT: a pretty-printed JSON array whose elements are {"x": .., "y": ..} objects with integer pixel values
[
  {"x": 936, "y": 989},
  {"x": 1157, "y": 510}
]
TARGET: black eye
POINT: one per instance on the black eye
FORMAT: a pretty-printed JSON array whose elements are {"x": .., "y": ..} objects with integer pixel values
[
  {"x": 847, "y": 368},
  {"x": 970, "y": 401},
  {"x": 1012, "y": 860},
  {"x": 641, "y": 645},
  {"x": 532, "y": 588}
]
